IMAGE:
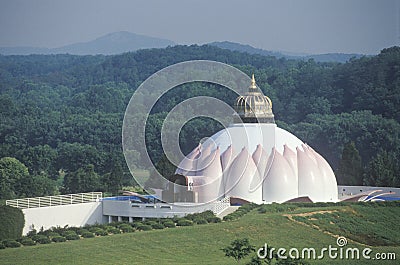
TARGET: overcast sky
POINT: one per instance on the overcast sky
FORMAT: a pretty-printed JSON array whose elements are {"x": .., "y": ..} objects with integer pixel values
[{"x": 301, "y": 26}]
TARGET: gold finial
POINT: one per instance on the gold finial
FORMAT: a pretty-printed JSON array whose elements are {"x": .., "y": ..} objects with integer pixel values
[{"x": 253, "y": 82}]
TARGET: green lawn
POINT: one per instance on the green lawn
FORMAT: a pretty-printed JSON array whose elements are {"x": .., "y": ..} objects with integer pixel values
[{"x": 200, "y": 244}]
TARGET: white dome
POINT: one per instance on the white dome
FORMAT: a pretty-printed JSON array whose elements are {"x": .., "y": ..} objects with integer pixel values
[{"x": 259, "y": 163}]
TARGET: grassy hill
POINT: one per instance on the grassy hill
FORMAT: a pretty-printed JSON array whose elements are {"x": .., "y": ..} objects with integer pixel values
[{"x": 201, "y": 244}]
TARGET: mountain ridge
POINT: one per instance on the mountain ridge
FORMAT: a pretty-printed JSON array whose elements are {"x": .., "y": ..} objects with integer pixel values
[
  {"x": 326, "y": 57},
  {"x": 109, "y": 44},
  {"x": 124, "y": 41}
]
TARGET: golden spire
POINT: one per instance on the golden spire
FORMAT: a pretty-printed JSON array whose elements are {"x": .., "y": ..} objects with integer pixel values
[{"x": 253, "y": 82}]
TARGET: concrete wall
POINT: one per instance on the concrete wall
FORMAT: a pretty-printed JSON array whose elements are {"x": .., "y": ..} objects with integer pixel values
[
  {"x": 157, "y": 210},
  {"x": 71, "y": 215}
]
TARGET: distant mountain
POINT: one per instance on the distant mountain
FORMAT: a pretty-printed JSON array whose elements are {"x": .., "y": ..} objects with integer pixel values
[
  {"x": 113, "y": 43},
  {"x": 329, "y": 57},
  {"x": 233, "y": 46}
]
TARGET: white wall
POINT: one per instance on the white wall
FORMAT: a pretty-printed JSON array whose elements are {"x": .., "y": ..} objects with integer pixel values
[
  {"x": 71, "y": 215},
  {"x": 158, "y": 210}
]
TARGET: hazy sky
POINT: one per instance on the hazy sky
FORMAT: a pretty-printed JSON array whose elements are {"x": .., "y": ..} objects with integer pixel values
[{"x": 309, "y": 26}]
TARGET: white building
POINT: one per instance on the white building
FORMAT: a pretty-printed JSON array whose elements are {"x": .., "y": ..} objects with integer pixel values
[{"x": 253, "y": 160}]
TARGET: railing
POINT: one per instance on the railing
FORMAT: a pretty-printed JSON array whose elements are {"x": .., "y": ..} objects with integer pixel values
[
  {"x": 55, "y": 200},
  {"x": 221, "y": 205}
]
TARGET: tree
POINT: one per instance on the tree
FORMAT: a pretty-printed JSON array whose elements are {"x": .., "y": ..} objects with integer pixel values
[
  {"x": 350, "y": 170},
  {"x": 112, "y": 181},
  {"x": 40, "y": 159},
  {"x": 383, "y": 171},
  {"x": 13, "y": 175},
  {"x": 238, "y": 249},
  {"x": 165, "y": 170},
  {"x": 41, "y": 185},
  {"x": 82, "y": 180}
]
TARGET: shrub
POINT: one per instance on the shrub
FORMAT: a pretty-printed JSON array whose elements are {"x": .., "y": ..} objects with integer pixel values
[
  {"x": 158, "y": 226},
  {"x": 170, "y": 224},
  {"x": 11, "y": 243},
  {"x": 262, "y": 210},
  {"x": 35, "y": 237},
  {"x": 31, "y": 232},
  {"x": 82, "y": 230},
  {"x": 42, "y": 239},
  {"x": 59, "y": 230},
  {"x": 228, "y": 217},
  {"x": 126, "y": 228},
  {"x": 72, "y": 237},
  {"x": 136, "y": 224},
  {"x": 87, "y": 234},
  {"x": 2, "y": 246},
  {"x": 58, "y": 239},
  {"x": 200, "y": 221},
  {"x": 108, "y": 228},
  {"x": 214, "y": 220},
  {"x": 175, "y": 219},
  {"x": 73, "y": 228},
  {"x": 144, "y": 227},
  {"x": 68, "y": 233},
  {"x": 150, "y": 223},
  {"x": 27, "y": 241},
  {"x": 184, "y": 222},
  {"x": 51, "y": 234},
  {"x": 101, "y": 232},
  {"x": 114, "y": 230},
  {"x": 11, "y": 222}
]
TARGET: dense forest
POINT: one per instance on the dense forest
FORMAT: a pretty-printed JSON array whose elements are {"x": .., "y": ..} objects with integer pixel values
[{"x": 61, "y": 115}]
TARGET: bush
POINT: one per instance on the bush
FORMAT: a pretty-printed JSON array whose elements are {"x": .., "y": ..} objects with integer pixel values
[
  {"x": 31, "y": 232},
  {"x": 170, "y": 224},
  {"x": 101, "y": 232},
  {"x": 42, "y": 239},
  {"x": 158, "y": 226},
  {"x": 51, "y": 234},
  {"x": 175, "y": 219},
  {"x": 2, "y": 246},
  {"x": 214, "y": 220},
  {"x": 200, "y": 221},
  {"x": 69, "y": 233},
  {"x": 72, "y": 237},
  {"x": 82, "y": 230},
  {"x": 27, "y": 241},
  {"x": 11, "y": 243},
  {"x": 126, "y": 228},
  {"x": 114, "y": 230},
  {"x": 11, "y": 222},
  {"x": 184, "y": 222},
  {"x": 58, "y": 239},
  {"x": 144, "y": 227},
  {"x": 150, "y": 223},
  {"x": 87, "y": 234},
  {"x": 108, "y": 228},
  {"x": 228, "y": 217}
]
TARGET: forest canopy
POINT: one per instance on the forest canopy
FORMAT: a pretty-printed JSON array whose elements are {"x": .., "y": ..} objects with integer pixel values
[{"x": 61, "y": 115}]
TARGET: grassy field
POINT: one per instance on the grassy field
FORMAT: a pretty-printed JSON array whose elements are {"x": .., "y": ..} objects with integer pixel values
[{"x": 201, "y": 244}]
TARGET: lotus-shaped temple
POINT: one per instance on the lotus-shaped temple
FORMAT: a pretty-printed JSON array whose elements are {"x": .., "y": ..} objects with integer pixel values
[{"x": 253, "y": 160}]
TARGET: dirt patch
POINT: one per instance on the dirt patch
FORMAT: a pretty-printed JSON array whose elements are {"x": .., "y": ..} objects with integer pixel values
[{"x": 290, "y": 217}]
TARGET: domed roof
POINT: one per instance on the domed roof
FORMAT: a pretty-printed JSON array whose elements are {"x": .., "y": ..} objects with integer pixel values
[
  {"x": 253, "y": 106},
  {"x": 256, "y": 161},
  {"x": 261, "y": 163}
]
